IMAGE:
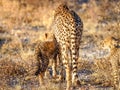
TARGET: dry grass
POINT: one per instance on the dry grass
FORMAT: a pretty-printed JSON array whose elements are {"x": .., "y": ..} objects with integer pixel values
[{"x": 22, "y": 24}]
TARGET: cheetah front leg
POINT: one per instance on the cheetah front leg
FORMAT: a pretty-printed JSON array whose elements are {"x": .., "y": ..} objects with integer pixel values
[
  {"x": 54, "y": 66},
  {"x": 74, "y": 57},
  {"x": 115, "y": 74}
]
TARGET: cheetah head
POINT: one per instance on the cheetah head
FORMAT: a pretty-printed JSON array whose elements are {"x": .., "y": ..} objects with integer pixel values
[
  {"x": 111, "y": 42},
  {"x": 61, "y": 8},
  {"x": 117, "y": 42}
]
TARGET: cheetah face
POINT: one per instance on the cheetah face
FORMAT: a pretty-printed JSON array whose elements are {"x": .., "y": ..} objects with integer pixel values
[
  {"x": 111, "y": 43},
  {"x": 116, "y": 42}
]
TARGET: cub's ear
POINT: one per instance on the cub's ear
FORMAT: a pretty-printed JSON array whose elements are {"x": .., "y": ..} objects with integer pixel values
[
  {"x": 117, "y": 41},
  {"x": 46, "y": 35}
]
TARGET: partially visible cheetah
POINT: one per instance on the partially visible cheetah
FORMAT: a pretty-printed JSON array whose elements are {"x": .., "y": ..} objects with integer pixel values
[
  {"x": 112, "y": 45},
  {"x": 68, "y": 29},
  {"x": 46, "y": 50}
]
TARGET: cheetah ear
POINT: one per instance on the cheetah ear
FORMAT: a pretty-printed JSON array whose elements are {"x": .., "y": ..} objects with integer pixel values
[
  {"x": 63, "y": 5},
  {"x": 46, "y": 35},
  {"x": 118, "y": 42}
]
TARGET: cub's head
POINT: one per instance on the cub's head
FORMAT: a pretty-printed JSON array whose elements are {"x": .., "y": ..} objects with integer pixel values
[{"x": 111, "y": 42}]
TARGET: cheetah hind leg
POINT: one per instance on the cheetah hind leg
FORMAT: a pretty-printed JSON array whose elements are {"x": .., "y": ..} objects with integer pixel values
[
  {"x": 115, "y": 75},
  {"x": 76, "y": 82},
  {"x": 66, "y": 65},
  {"x": 75, "y": 79},
  {"x": 54, "y": 66},
  {"x": 41, "y": 78}
]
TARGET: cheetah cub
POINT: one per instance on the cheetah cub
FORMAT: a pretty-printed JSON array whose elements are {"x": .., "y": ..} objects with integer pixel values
[
  {"x": 44, "y": 51},
  {"x": 113, "y": 45}
]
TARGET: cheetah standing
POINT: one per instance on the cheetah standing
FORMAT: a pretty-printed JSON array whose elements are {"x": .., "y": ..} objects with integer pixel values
[
  {"x": 111, "y": 44},
  {"x": 44, "y": 51},
  {"x": 68, "y": 29}
]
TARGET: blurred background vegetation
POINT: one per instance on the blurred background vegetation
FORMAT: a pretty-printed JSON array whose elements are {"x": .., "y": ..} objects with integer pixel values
[{"x": 23, "y": 22}]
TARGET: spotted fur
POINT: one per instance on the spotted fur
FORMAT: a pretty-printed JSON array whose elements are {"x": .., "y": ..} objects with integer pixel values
[
  {"x": 45, "y": 51},
  {"x": 68, "y": 29},
  {"x": 112, "y": 45}
]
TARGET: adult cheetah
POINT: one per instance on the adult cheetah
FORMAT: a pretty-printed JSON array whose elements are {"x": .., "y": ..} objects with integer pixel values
[
  {"x": 68, "y": 29},
  {"x": 44, "y": 51}
]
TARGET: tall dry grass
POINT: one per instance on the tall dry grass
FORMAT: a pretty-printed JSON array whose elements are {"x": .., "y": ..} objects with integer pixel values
[
  {"x": 99, "y": 17},
  {"x": 21, "y": 12}
]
